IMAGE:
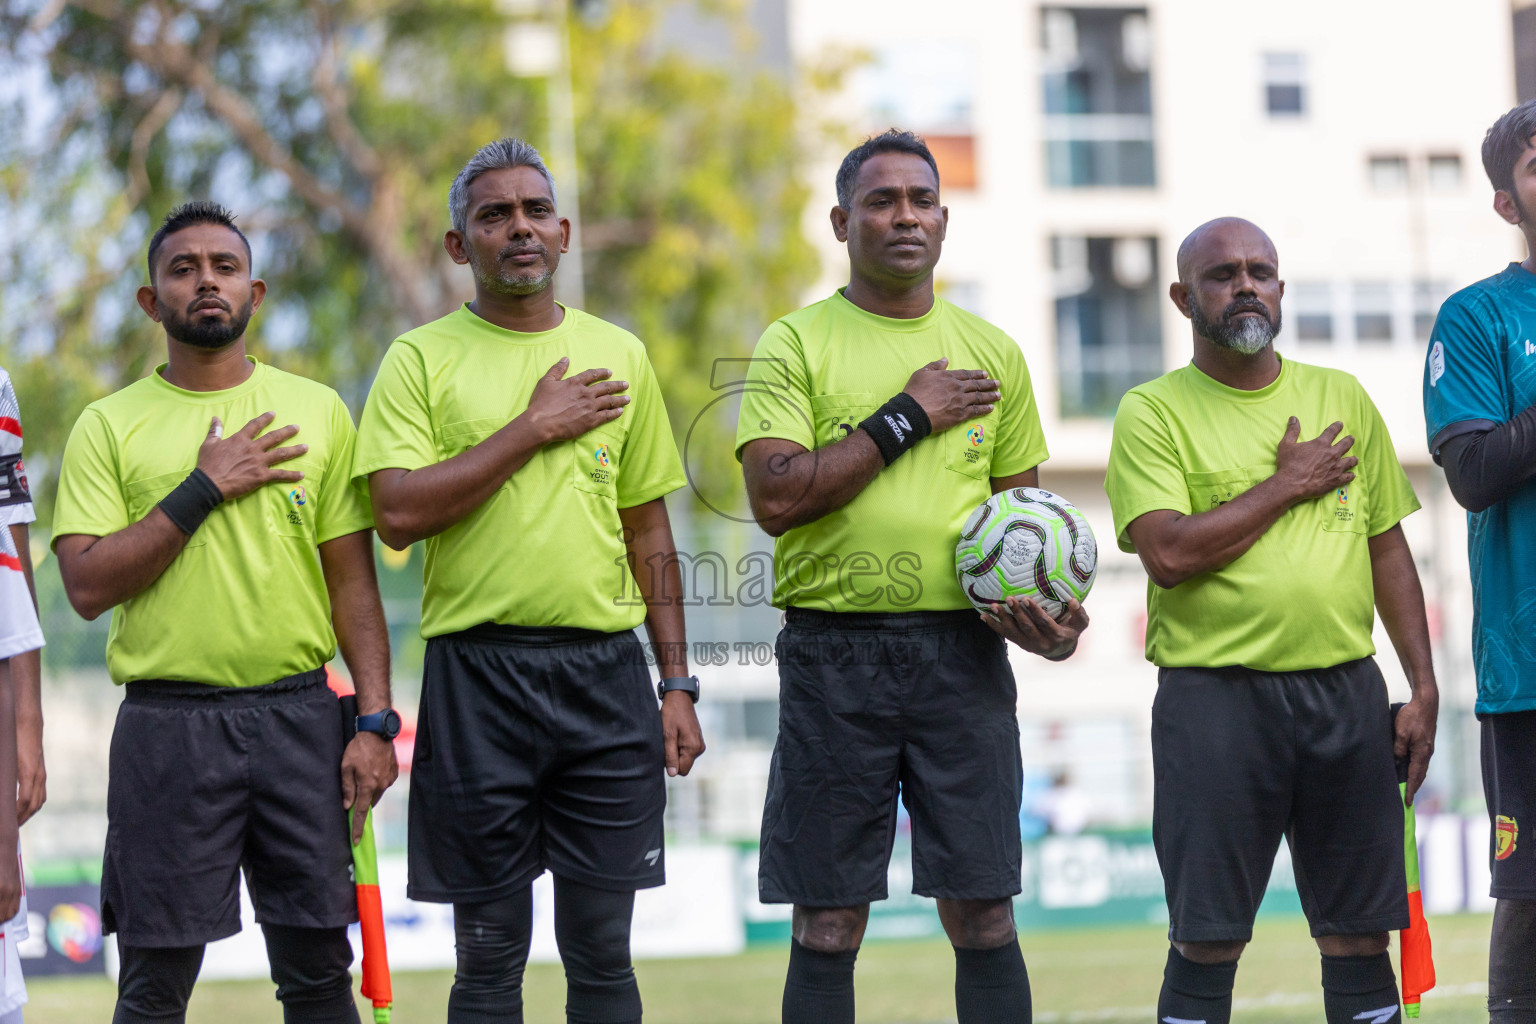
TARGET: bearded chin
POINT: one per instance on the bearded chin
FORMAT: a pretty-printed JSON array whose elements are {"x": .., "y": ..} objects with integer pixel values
[
  {"x": 209, "y": 335},
  {"x": 1248, "y": 336},
  {"x": 498, "y": 283}
]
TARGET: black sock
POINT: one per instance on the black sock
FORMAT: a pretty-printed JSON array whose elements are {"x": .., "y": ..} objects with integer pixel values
[
  {"x": 1512, "y": 962},
  {"x": 1360, "y": 990},
  {"x": 991, "y": 986},
  {"x": 310, "y": 969},
  {"x": 153, "y": 985},
  {"x": 1196, "y": 993},
  {"x": 819, "y": 986},
  {"x": 491, "y": 941},
  {"x": 592, "y": 931}
]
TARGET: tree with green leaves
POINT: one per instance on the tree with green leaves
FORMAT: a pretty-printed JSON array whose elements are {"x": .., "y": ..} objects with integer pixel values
[{"x": 334, "y": 127}]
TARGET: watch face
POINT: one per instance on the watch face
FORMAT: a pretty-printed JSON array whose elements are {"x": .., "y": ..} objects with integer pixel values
[{"x": 391, "y": 723}]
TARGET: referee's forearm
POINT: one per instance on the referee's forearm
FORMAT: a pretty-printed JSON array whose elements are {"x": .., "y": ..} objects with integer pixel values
[
  {"x": 653, "y": 561},
  {"x": 1400, "y": 602},
  {"x": 412, "y": 505},
  {"x": 357, "y": 615},
  {"x": 787, "y": 491},
  {"x": 101, "y": 573}
]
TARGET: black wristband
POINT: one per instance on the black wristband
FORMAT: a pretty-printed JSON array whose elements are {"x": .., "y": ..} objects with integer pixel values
[
  {"x": 192, "y": 501},
  {"x": 897, "y": 426}
]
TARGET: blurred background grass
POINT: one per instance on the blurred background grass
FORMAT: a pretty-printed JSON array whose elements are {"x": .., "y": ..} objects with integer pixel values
[{"x": 1090, "y": 974}]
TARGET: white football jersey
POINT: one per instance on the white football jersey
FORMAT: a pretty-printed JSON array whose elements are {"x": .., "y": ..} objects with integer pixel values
[{"x": 19, "y": 628}]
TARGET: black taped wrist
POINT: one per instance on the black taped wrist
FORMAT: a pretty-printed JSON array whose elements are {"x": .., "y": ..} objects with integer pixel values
[
  {"x": 897, "y": 426},
  {"x": 192, "y": 501}
]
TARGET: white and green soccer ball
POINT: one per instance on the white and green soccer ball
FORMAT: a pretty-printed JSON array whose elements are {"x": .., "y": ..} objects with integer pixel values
[{"x": 1026, "y": 542}]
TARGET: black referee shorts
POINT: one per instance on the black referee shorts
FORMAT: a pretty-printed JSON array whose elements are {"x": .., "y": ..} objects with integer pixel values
[
  {"x": 206, "y": 780},
  {"x": 870, "y": 700},
  {"x": 1509, "y": 783},
  {"x": 1240, "y": 758},
  {"x": 535, "y": 749}
]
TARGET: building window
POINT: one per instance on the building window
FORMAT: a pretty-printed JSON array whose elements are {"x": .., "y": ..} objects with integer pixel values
[
  {"x": 1525, "y": 52},
  {"x": 1427, "y": 297},
  {"x": 930, "y": 88},
  {"x": 1098, "y": 97},
  {"x": 1373, "y": 311},
  {"x": 965, "y": 294},
  {"x": 1312, "y": 311},
  {"x": 1389, "y": 173},
  {"x": 1444, "y": 172},
  {"x": 1108, "y": 333},
  {"x": 1285, "y": 84}
]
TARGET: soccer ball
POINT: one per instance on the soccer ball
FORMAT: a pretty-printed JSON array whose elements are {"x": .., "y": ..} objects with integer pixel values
[{"x": 1026, "y": 542}]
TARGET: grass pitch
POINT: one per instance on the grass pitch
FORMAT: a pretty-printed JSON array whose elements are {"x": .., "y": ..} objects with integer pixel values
[{"x": 1108, "y": 974}]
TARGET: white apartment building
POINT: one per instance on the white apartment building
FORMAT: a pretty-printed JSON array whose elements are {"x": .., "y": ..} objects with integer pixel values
[{"x": 1080, "y": 141}]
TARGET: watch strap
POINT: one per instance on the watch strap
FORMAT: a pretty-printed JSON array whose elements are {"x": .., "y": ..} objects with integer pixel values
[
  {"x": 374, "y": 723},
  {"x": 688, "y": 684}
]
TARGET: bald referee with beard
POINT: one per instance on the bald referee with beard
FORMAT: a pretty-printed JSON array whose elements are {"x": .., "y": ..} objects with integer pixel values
[{"x": 1268, "y": 557}]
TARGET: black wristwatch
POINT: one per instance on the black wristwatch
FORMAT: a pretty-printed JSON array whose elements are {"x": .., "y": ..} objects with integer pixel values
[
  {"x": 688, "y": 684},
  {"x": 386, "y": 723}
]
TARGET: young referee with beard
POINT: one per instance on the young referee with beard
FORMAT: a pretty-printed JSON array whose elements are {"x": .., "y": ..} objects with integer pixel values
[
  {"x": 235, "y": 566},
  {"x": 863, "y": 455},
  {"x": 539, "y": 743},
  {"x": 1267, "y": 558}
]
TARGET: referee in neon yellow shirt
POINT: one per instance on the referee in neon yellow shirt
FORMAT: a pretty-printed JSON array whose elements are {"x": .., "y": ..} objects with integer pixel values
[
  {"x": 234, "y": 562},
  {"x": 874, "y": 423},
  {"x": 1268, "y": 557},
  {"x": 538, "y": 492}
]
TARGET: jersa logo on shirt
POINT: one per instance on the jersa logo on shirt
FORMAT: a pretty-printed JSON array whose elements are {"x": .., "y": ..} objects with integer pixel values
[{"x": 299, "y": 497}]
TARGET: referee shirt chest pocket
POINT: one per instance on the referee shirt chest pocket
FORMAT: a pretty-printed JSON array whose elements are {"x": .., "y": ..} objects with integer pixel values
[
  {"x": 968, "y": 447},
  {"x": 292, "y": 507},
  {"x": 1209, "y": 490},
  {"x": 1344, "y": 509},
  {"x": 595, "y": 461},
  {"x": 838, "y": 415},
  {"x": 143, "y": 495},
  {"x": 458, "y": 438}
]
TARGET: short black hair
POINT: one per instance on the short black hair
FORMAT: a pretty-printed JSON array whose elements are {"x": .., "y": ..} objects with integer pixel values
[
  {"x": 892, "y": 140},
  {"x": 1509, "y": 137},
  {"x": 200, "y": 211}
]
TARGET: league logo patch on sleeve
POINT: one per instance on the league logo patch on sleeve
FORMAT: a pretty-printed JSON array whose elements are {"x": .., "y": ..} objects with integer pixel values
[
  {"x": 1436, "y": 363},
  {"x": 1506, "y": 831}
]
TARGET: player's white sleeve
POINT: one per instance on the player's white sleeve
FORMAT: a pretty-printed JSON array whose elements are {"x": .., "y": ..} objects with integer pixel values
[{"x": 15, "y": 496}]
